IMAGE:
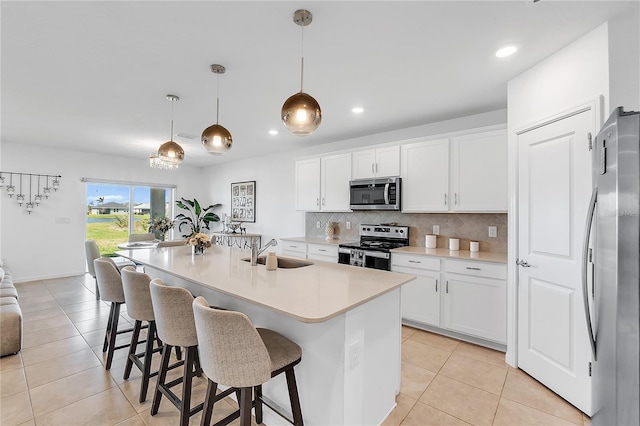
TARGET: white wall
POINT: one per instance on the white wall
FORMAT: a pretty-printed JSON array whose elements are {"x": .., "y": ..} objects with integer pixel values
[
  {"x": 624, "y": 60},
  {"x": 575, "y": 75},
  {"x": 276, "y": 216},
  {"x": 33, "y": 245}
]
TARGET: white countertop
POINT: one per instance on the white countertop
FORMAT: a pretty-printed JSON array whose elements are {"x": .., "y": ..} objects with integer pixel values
[
  {"x": 310, "y": 294},
  {"x": 317, "y": 240},
  {"x": 461, "y": 254}
]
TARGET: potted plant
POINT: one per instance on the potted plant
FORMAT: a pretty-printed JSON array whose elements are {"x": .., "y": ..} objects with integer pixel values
[{"x": 197, "y": 219}]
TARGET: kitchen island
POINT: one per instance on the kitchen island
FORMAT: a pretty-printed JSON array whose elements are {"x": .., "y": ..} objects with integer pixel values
[{"x": 346, "y": 319}]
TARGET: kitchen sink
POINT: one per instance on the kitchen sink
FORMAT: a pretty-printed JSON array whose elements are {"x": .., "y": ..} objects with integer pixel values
[{"x": 284, "y": 262}]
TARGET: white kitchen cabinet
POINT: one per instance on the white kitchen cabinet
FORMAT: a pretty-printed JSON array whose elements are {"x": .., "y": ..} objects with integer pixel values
[
  {"x": 462, "y": 174},
  {"x": 322, "y": 183},
  {"x": 326, "y": 252},
  {"x": 379, "y": 162},
  {"x": 294, "y": 249},
  {"x": 479, "y": 172},
  {"x": 475, "y": 301},
  {"x": 425, "y": 176},
  {"x": 468, "y": 297},
  {"x": 420, "y": 297},
  {"x": 307, "y": 184}
]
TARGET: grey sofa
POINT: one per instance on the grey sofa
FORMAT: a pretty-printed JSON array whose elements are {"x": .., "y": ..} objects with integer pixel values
[{"x": 10, "y": 315}]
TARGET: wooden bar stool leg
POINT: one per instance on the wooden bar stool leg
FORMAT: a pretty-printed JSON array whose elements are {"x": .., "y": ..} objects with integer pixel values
[
  {"x": 185, "y": 406},
  {"x": 105, "y": 345},
  {"x": 258, "y": 399},
  {"x": 209, "y": 401},
  {"x": 245, "y": 406},
  {"x": 148, "y": 353},
  {"x": 162, "y": 375},
  {"x": 132, "y": 349},
  {"x": 294, "y": 397},
  {"x": 113, "y": 333}
]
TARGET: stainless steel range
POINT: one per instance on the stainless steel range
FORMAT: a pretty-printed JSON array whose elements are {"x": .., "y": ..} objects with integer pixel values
[{"x": 374, "y": 248}]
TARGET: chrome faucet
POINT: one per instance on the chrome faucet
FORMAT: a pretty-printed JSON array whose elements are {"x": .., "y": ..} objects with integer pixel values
[{"x": 255, "y": 252}]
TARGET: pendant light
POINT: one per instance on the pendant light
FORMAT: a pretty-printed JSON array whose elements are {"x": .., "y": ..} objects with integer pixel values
[
  {"x": 170, "y": 152},
  {"x": 215, "y": 138},
  {"x": 301, "y": 113}
]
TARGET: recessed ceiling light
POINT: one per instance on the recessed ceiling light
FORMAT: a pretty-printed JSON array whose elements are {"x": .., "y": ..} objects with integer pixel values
[
  {"x": 273, "y": 132},
  {"x": 357, "y": 110},
  {"x": 505, "y": 51}
]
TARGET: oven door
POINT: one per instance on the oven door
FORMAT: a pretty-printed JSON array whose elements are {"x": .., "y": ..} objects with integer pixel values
[
  {"x": 374, "y": 194},
  {"x": 377, "y": 260}
]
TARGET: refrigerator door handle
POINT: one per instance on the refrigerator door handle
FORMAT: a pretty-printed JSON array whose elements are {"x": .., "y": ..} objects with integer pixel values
[{"x": 585, "y": 263}]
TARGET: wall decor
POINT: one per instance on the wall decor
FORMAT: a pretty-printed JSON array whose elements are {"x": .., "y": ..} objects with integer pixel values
[
  {"x": 34, "y": 199},
  {"x": 243, "y": 201}
]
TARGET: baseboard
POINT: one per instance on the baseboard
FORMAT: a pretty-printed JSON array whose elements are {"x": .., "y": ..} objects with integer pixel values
[{"x": 46, "y": 277}]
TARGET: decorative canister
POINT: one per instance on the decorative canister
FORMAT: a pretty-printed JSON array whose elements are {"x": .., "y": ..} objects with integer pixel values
[
  {"x": 454, "y": 244},
  {"x": 474, "y": 246},
  {"x": 272, "y": 261},
  {"x": 430, "y": 241}
]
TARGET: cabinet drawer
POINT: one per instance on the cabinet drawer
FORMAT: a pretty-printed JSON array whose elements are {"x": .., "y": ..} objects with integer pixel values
[
  {"x": 476, "y": 269},
  {"x": 415, "y": 261},
  {"x": 323, "y": 250},
  {"x": 294, "y": 246}
]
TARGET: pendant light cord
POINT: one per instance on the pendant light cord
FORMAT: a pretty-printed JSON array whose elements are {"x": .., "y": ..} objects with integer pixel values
[
  {"x": 171, "y": 136},
  {"x": 302, "y": 59},
  {"x": 218, "y": 99}
]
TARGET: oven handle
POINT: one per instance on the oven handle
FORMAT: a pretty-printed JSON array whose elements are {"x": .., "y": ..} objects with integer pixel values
[{"x": 378, "y": 254}]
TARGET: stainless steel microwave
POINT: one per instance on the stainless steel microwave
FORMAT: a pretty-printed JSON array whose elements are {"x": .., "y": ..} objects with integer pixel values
[{"x": 375, "y": 194}]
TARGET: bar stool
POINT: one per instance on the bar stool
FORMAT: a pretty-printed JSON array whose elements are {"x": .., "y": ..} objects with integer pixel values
[
  {"x": 137, "y": 296},
  {"x": 237, "y": 354},
  {"x": 110, "y": 286},
  {"x": 172, "y": 307},
  {"x": 92, "y": 252}
]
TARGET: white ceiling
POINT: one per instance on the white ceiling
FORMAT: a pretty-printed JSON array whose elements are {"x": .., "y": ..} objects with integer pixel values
[{"x": 92, "y": 76}]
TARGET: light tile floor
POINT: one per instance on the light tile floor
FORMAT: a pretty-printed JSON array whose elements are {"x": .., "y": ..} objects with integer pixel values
[{"x": 58, "y": 378}]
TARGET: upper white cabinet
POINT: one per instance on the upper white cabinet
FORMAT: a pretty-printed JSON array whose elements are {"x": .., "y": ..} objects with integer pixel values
[
  {"x": 322, "y": 184},
  {"x": 462, "y": 174},
  {"x": 379, "y": 162},
  {"x": 479, "y": 172},
  {"x": 425, "y": 176}
]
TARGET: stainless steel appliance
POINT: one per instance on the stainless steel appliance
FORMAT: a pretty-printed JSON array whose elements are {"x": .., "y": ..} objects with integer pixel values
[
  {"x": 613, "y": 317},
  {"x": 374, "y": 248},
  {"x": 375, "y": 194}
]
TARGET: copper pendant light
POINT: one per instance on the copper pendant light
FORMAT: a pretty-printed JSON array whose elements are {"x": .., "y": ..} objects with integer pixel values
[
  {"x": 301, "y": 113},
  {"x": 215, "y": 138},
  {"x": 170, "y": 152}
]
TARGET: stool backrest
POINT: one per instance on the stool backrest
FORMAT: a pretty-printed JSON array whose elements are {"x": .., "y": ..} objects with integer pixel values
[
  {"x": 92, "y": 252},
  {"x": 109, "y": 280},
  {"x": 171, "y": 243},
  {"x": 137, "y": 295},
  {"x": 173, "y": 313},
  {"x": 232, "y": 353}
]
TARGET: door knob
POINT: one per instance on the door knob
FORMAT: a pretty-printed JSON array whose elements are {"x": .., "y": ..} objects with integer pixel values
[{"x": 523, "y": 263}]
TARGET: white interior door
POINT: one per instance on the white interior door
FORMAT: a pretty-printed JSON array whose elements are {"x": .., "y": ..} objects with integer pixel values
[{"x": 554, "y": 186}]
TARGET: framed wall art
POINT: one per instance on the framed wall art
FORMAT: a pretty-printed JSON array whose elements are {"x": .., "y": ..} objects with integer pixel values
[{"x": 243, "y": 201}]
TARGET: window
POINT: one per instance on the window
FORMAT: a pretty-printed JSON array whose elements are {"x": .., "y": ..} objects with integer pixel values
[{"x": 115, "y": 210}]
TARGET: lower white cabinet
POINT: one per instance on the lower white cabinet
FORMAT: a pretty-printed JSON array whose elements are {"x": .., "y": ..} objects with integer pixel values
[
  {"x": 314, "y": 251},
  {"x": 294, "y": 249},
  {"x": 326, "y": 252},
  {"x": 468, "y": 297}
]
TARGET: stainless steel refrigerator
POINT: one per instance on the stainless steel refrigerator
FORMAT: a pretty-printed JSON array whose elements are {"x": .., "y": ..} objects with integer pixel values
[{"x": 610, "y": 276}]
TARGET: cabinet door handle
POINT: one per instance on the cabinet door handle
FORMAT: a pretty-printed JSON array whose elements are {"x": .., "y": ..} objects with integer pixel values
[
  {"x": 293, "y": 246},
  {"x": 455, "y": 198},
  {"x": 445, "y": 199},
  {"x": 318, "y": 202},
  {"x": 447, "y": 287},
  {"x": 436, "y": 286},
  {"x": 376, "y": 168},
  {"x": 474, "y": 269},
  {"x": 372, "y": 168},
  {"x": 414, "y": 261},
  {"x": 323, "y": 201},
  {"x": 321, "y": 250}
]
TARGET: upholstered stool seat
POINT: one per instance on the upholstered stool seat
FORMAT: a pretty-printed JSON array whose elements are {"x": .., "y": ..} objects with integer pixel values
[
  {"x": 236, "y": 354},
  {"x": 110, "y": 285},
  {"x": 172, "y": 307},
  {"x": 10, "y": 326}
]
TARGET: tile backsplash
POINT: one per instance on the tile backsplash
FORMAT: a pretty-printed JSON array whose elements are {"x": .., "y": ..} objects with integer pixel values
[{"x": 465, "y": 226}]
